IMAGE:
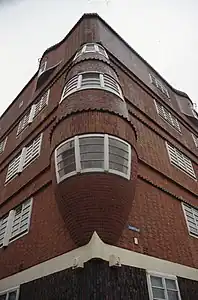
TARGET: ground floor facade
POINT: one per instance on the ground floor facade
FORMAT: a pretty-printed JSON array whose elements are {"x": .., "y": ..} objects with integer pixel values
[{"x": 100, "y": 271}]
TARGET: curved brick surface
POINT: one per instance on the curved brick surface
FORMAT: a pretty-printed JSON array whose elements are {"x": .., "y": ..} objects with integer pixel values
[
  {"x": 95, "y": 201},
  {"x": 92, "y": 99},
  {"x": 91, "y": 55},
  {"x": 91, "y": 65},
  {"x": 92, "y": 122}
]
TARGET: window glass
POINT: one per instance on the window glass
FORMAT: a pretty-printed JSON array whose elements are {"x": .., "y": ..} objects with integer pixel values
[
  {"x": 88, "y": 152},
  {"x": 92, "y": 152},
  {"x": 163, "y": 288},
  {"x": 66, "y": 158}
]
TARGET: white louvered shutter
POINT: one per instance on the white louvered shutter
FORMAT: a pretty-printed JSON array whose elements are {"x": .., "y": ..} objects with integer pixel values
[
  {"x": 180, "y": 160},
  {"x": 21, "y": 219},
  {"x": 41, "y": 103},
  {"x": 192, "y": 218},
  {"x": 159, "y": 85},
  {"x": 13, "y": 168},
  {"x": 3, "y": 226},
  {"x": 2, "y": 145},
  {"x": 166, "y": 115},
  {"x": 111, "y": 84},
  {"x": 32, "y": 151},
  {"x": 70, "y": 86},
  {"x": 195, "y": 139},
  {"x": 23, "y": 123},
  {"x": 42, "y": 67},
  {"x": 90, "y": 80}
]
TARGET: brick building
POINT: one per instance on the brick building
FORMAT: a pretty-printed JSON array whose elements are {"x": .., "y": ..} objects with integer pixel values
[{"x": 99, "y": 168}]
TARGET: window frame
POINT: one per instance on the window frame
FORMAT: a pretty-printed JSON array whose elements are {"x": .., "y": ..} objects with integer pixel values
[
  {"x": 193, "y": 176},
  {"x": 195, "y": 139},
  {"x": 39, "y": 102},
  {"x": 96, "y": 50},
  {"x": 3, "y": 142},
  {"x": 22, "y": 156},
  {"x": 159, "y": 85},
  {"x": 8, "y": 231},
  {"x": 6, "y": 292},
  {"x": 106, "y": 168},
  {"x": 163, "y": 277},
  {"x": 102, "y": 86},
  {"x": 42, "y": 67},
  {"x": 186, "y": 219},
  {"x": 165, "y": 110},
  {"x": 31, "y": 115}
]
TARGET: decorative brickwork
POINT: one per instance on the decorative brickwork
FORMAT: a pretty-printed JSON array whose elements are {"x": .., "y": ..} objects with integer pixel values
[
  {"x": 97, "y": 281},
  {"x": 96, "y": 201}
]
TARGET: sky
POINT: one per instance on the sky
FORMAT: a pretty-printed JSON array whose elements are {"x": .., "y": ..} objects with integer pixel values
[{"x": 163, "y": 32}]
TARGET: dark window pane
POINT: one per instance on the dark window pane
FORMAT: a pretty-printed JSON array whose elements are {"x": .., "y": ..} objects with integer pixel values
[
  {"x": 91, "y": 148},
  {"x": 118, "y": 159},
  {"x": 12, "y": 295},
  {"x": 173, "y": 295},
  {"x": 171, "y": 284},
  {"x": 92, "y": 156},
  {"x": 89, "y": 47},
  {"x": 158, "y": 293},
  {"x": 156, "y": 281},
  {"x": 91, "y": 140},
  {"x": 118, "y": 151},
  {"x": 92, "y": 79},
  {"x": 92, "y": 164},
  {"x": 117, "y": 167},
  {"x": 118, "y": 144},
  {"x": 66, "y": 170},
  {"x": 65, "y": 147},
  {"x": 66, "y": 158}
]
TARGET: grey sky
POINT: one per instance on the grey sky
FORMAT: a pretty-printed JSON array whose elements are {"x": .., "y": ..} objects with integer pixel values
[{"x": 164, "y": 32}]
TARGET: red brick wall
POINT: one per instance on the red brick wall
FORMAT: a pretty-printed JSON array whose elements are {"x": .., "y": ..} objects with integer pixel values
[
  {"x": 82, "y": 122},
  {"x": 86, "y": 31},
  {"x": 47, "y": 237},
  {"x": 91, "y": 65},
  {"x": 94, "y": 201},
  {"x": 163, "y": 230},
  {"x": 137, "y": 94},
  {"x": 152, "y": 149},
  {"x": 158, "y": 215}
]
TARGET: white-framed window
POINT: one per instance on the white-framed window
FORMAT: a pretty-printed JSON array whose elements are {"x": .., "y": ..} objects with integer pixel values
[
  {"x": 180, "y": 160},
  {"x": 91, "y": 80},
  {"x": 163, "y": 287},
  {"x": 195, "y": 139},
  {"x": 11, "y": 294},
  {"x": 159, "y": 85},
  {"x": 93, "y": 153},
  {"x": 26, "y": 156},
  {"x": 167, "y": 116},
  {"x": 42, "y": 67},
  {"x": 191, "y": 216},
  {"x": 33, "y": 112},
  {"x": 91, "y": 47},
  {"x": 32, "y": 151},
  {"x": 25, "y": 121},
  {"x": 41, "y": 104},
  {"x": 16, "y": 223},
  {"x": 21, "y": 104},
  {"x": 2, "y": 145},
  {"x": 3, "y": 227}
]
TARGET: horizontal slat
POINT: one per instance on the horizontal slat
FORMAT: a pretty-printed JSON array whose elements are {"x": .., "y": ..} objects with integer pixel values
[
  {"x": 21, "y": 221},
  {"x": 32, "y": 151},
  {"x": 180, "y": 160}
]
